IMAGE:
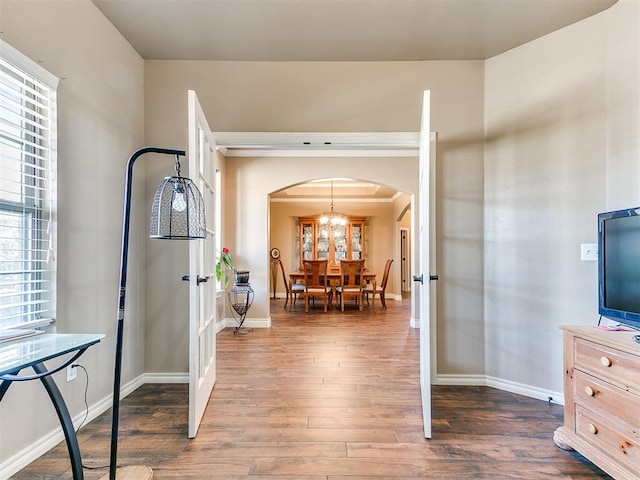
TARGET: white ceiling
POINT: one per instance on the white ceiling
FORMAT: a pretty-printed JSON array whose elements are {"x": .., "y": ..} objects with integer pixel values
[
  {"x": 338, "y": 30},
  {"x": 340, "y": 189}
]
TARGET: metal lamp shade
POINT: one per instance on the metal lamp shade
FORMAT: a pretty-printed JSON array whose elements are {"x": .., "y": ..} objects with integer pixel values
[{"x": 177, "y": 211}]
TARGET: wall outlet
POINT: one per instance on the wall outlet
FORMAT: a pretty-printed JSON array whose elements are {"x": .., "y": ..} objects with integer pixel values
[
  {"x": 72, "y": 373},
  {"x": 589, "y": 252}
]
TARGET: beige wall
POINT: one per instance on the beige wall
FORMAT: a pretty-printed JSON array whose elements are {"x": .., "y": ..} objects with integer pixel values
[
  {"x": 622, "y": 93},
  {"x": 537, "y": 124},
  {"x": 324, "y": 96},
  {"x": 561, "y": 118},
  {"x": 249, "y": 209},
  {"x": 527, "y": 154},
  {"x": 100, "y": 123}
]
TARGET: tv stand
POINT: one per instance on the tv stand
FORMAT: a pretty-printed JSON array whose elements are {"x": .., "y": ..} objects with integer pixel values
[{"x": 602, "y": 399}]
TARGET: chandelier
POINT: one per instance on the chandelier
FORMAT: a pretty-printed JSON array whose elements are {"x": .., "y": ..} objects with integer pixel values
[{"x": 331, "y": 218}]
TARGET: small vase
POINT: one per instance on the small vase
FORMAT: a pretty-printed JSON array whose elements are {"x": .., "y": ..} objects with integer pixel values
[{"x": 242, "y": 277}]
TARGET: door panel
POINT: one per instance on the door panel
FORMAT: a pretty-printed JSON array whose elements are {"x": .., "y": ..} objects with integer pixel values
[
  {"x": 424, "y": 248},
  {"x": 202, "y": 259}
]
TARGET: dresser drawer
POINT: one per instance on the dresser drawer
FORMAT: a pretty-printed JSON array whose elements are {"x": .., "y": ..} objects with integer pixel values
[
  {"x": 614, "y": 440},
  {"x": 606, "y": 362},
  {"x": 595, "y": 394}
]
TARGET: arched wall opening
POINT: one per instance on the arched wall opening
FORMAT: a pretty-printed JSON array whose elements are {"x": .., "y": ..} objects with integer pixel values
[{"x": 383, "y": 206}]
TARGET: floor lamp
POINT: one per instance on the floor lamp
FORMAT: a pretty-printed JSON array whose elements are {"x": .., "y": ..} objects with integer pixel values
[{"x": 177, "y": 213}]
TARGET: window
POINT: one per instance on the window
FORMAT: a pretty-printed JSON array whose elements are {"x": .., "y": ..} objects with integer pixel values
[{"x": 27, "y": 191}]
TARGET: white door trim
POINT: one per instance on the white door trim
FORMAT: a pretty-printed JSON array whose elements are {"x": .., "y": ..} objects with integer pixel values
[{"x": 318, "y": 144}]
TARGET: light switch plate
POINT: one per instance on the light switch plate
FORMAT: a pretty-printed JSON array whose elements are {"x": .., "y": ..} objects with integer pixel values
[{"x": 589, "y": 252}]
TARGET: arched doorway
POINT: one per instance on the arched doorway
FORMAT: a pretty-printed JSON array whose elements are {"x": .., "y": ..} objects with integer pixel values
[{"x": 378, "y": 207}]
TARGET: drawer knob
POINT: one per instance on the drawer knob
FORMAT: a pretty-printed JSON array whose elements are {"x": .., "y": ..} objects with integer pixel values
[
  {"x": 593, "y": 429},
  {"x": 606, "y": 361},
  {"x": 589, "y": 391}
]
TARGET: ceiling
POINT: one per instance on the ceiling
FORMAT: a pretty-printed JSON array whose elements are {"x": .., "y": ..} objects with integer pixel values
[
  {"x": 338, "y": 30},
  {"x": 340, "y": 189}
]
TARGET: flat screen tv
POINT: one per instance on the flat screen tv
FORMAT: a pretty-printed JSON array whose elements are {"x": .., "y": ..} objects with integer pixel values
[{"x": 619, "y": 266}]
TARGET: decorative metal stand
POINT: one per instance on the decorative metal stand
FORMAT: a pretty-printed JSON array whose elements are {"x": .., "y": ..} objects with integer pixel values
[{"x": 240, "y": 298}]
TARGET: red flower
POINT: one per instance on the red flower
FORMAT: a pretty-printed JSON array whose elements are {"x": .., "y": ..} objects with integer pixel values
[{"x": 224, "y": 264}]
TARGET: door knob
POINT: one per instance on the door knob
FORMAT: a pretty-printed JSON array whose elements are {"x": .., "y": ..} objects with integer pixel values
[
  {"x": 185, "y": 278},
  {"x": 200, "y": 279},
  {"x": 420, "y": 278}
]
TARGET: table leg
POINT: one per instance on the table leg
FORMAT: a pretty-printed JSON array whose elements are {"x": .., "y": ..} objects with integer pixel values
[
  {"x": 65, "y": 421},
  {"x": 240, "y": 323}
]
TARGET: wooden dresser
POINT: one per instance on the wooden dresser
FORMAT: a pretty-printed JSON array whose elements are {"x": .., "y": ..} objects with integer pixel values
[{"x": 602, "y": 399}]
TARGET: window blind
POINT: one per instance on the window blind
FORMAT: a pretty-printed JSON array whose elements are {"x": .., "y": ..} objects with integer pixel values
[{"x": 27, "y": 191}]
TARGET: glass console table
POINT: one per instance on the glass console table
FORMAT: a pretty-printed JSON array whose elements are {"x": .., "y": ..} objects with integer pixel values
[{"x": 33, "y": 351}]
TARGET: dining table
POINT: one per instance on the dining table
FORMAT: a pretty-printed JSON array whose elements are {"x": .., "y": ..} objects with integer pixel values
[{"x": 334, "y": 278}]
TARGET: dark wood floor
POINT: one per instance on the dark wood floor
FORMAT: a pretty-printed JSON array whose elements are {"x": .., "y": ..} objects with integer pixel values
[{"x": 331, "y": 396}]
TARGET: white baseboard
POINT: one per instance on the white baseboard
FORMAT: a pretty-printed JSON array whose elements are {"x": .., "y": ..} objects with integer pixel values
[
  {"x": 526, "y": 390},
  {"x": 166, "y": 377},
  {"x": 32, "y": 452},
  {"x": 220, "y": 325},
  {"x": 500, "y": 384},
  {"x": 249, "y": 323},
  {"x": 468, "y": 380}
]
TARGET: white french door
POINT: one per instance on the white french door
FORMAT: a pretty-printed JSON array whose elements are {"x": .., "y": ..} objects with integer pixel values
[
  {"x": 202, "y": 259},
  {"x": 426, "y": 186}
]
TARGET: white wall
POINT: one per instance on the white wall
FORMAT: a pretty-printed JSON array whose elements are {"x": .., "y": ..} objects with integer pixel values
[
  {"x": 561, "y": 122},
  {"x": 100, "y": 122}
]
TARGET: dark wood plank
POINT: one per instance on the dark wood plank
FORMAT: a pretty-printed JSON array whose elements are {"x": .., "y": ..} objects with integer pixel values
[{"x": 332, "y": 396}]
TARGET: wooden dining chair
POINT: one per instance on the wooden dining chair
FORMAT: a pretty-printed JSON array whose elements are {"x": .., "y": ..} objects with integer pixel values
[
  {"x": 292, "y": 289},
  {"x": 351, "y": 282},
  {"x": 315, "y": 282},
  {"x": 379, "y": 289}
]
